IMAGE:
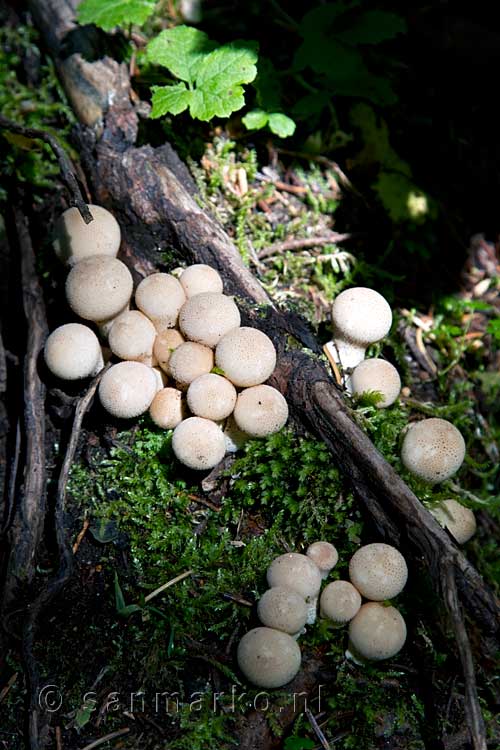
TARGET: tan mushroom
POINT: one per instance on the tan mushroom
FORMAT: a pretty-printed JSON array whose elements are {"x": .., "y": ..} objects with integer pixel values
[
  {"x": 433, "y": 449},
  {"x": 160, "y": 297},
  {"x": 74, "y": 240},
  {"x": 298, "y": 573},
  {"x": 211, "y": 396},
  {"x": 72, "y": 351},
  {"x": 165, "y": 343},
  {"x": 378, "y": 571},
  {"x": 246, "y": 356},
  {"x": 377, "y": 632},
  {"x": 127, "y": 389},
  {"x": 167, "y": 409},
  {"x": 198, "y": 443},
  {"x": 459, "y": 520},
  {"x": 132, "y": 336},
  {"x": 189, "y": 361},
  {"x": 268, "y": 658},
  {"x": 206, "y": 318},
  {"x": 376, "y": 375},
  {"x": 339, "y": 601},
  {"x": 324, "y": 556},
  {"x": 260, "y": 410},
  {"x": 282, "y": 609},
  {"x": 99, "y": 288},
  {"x": 200, "y": 278}
]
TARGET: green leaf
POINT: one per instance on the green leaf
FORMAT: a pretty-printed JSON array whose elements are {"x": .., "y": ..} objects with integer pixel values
[
  {"x": 181, "y": 50},
  {"x": 255, "y": 120},
  {"x": 494, "y": 328},
  {"x": 372, "y": 27},
  {"x": 104, "y": 530},
  {"x": 110, "y": 13},
  {"x": 124, "y": 610},
  {"x": 299, "y": 743},
  {"x": 170, "y": 99},
  {"x": 281, "y": 125}
]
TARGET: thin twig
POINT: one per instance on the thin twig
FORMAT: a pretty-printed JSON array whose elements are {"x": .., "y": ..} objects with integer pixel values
[
  {"x": 59, "y": 745},
  {"x": 167, "y": 585},
  {"x": 80, "y": 536},
  {"x": 333, "y": 364},
  {"x": 107, "y": 738},
  {"x": 297, "y": 244},
  {"x": 317, "y": 729},
  {"x": 7, "y": 687}
]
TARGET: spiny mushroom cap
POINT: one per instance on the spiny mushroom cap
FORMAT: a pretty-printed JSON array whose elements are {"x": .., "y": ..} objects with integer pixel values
[
  {"x": 132, "y": 336},
  {"x": 99, "y": 288},
  {"x": 189, "y": 361},
  {"x": 324, "y": 555},
  {"x": 198, "y": 443},
  {"x": 378, "y": 571},
  {"x": 377, "y": 632},
  {"x": 165, "y": 343},
  {"x": 260, "y": 410},
  {"x": 160, "y": 297},
  {"x": 75, "y": 240},
  {"x": 268, "y": 658},
  {"x": 433, "y": 449},
  {"x": 282, "y": 609},
  {"x": 211, "y": 396},
  {"x": 361, "y": 316},
  {"x": 127, "y": 389},
  {"x": 246, "y": 356},
  {"x": 377, "y": 375},
  {"x": 72, "y": 351},
  {"x": 339, "y": 601},
  {"x": 459, "y": 520},
  {"x": 207, "y": 317},
  {"x": 167, "y": 409},
  {"x": 200, "y": 278},
  {"x": 296, "y": 572}
]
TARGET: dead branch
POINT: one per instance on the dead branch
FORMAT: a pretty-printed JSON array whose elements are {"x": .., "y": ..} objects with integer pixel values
[{"x": 298, "y": 244}]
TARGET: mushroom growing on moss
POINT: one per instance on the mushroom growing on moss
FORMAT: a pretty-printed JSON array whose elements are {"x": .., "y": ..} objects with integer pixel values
[
  {"x": 198, "y": 443},
  {"x": 377, "y": 632},
  {"x": 127, "y": 389},
  {"x": 324, "y": 555},
  {"x": 72, "y": 351},
  {"x": 200, "y": 278},
  {"x": 378, "y": 571},
  {"x": 206, "y": 318},
  {"x": 260, "y": 411},
  {"x": 211, "y": 396},
  {"x": 298, "y": 573},
  {"x": 339, "y": 602},
  {"x": 167, "y": 409},
  {"x": 132, "y": 336},
  {"x": 99, "y": 288},
  {"x": 246, "y": 356},
  {"x": 189, "y": 361},
  {"x": 282, "y": 609},
  {"x": 74, "y": 240},
  {"x": 160, "y": 297},
  {"x": 376, "y": 375},
  {"x": 165, "y": 343},
  {"x": 433, "y": 449},
  {"x": 268, "y": 658},
  {"x": 459, "y": 520}
]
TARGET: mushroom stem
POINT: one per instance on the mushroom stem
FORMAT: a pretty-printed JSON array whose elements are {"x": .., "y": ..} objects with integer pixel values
[
  {"x": 345, "y": 352},
  {"x": 312, "y": 610}
]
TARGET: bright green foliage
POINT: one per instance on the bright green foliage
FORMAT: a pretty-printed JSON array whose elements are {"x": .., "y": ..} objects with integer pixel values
[
  {"x": 110, "y": 13},
  {"x": 494, "y": 328},
  {"x": 279, "y": 124},
  {"x": 212, "y": 77},
  {"x": 269, "y": 90}
]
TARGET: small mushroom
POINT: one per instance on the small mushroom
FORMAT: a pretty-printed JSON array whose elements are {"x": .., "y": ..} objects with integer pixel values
[
  {"x": 378, "y": 571},
  {"x": 360, "y": 317},
  {"x": 282, "y": 609},
  {"x": 268, "y": 658},
  {"x": 339, "y": 601},
  {"x": 376, "y": 375},
  {"x": 132, "y": 336},
  {"x": 246, "y": 356},
  {"x": 234, "y": 437},
  {"x": 200, "y": 278},
  {"x": 377, "y": 632},
  {"x": 165, "y": 343},
  {"x": 160, "y": 297},
  {"x": 433, "y": 449},
  {"x": 73, "y": 351},
  {"x": 127, "y": 389},
  {"x": 324, "y": 556},
  {"x": 211, "y": 396},
  {"x": 298, "y": 573},
  {"x": 74, "y": 240},
  {"x": 167, "y": 409},
  {"x": 198, "y": 443},
  {"x": 206, "y": 318},
  {"x": 99, "y": 288},
  {"x": 459, "y": 520},
  {"x": 189, "y": 361},
  {"x": 260, "y": 410}
]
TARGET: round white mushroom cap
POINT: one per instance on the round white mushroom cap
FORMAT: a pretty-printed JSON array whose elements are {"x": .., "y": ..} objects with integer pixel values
[
  {"x": 268, "y": 658},
  {"x": 360, "y": 316},
  {"x": 377, "y": 632},
  {"x": 189, "y": 361},
  {"x": 459, "y": 520},
  {"x": 339, "y": 601},
  {"x": 73, "y": 351},
  {"x": 99, "y": 288},
  {"x": 198, "y": 443},
  {"x": 376, "y": 375},
  {"x": 132, "y": 336},
  {"x": 296, "y": 572},
  {"x": 127, "y": 389},
  {"x": 200, "y": 278},
  {"x": 211, "y": 396},
  {"x": 207, "y": 317},
  {"x": 165, "y": 343},
  {"x": 160, "y": 297},
  {"x": 246, "y": 356},
  {"x": 433, "y": 449},
  {"x": 167, "y": 409},
  {"x": 75, "y": 240},
  {"x": 378, "y": 571},
  {"x": 260, "y": 410},
  {"x": 282, "y": 609},
  {"x": 324, "y": 555}
]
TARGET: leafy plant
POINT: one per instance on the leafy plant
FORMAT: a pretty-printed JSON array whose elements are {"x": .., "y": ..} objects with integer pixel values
[
  {"x": 110, "y": 13},
  {"x": 269, "y": 112}
]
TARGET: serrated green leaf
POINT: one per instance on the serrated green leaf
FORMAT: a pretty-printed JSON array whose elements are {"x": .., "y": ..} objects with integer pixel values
[
  {"x": 255, "y": 120},
  {"x": 110, "y": 13},
  {"x": 372, "y": 27},
  {"x": 172, "y": 99},
  {"x": 181, "y": 50},
  {"x": 281, "y": 125}
]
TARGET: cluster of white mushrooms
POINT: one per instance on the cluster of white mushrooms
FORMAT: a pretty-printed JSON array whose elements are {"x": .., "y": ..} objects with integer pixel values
[
  {"x": 185, "y": 355},
  {"x": 433, "y": 449},
  {"x": 269, "y": 656}
]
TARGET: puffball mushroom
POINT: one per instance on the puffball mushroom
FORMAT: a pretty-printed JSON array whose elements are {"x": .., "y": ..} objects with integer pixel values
[
  {"x": 376, "y": 375},
  {"x": 189, "y": 361},
  {"x": 433, "y": 449},
  {"x": 127, "y": 389},
  {"x": 167, "y": 409},
  {"x": 73, "y": 351},
  {"x": 211, "y": 396},
  {"x": 234, "y": 437},
  {"x": 165, "y": 343},
  {"x": 324, "y": 556},
  {"x": 246, "y": 356},
  {"x": 198, "y": 443},
  {"x": 160, "y": 297},
  {"x": 360, "y": 317},
  {"x": 75, "y": 240},
  {"x": 378, "y": 571},
  {"x": 282, "y": 609},
  {"x": 268, "y": 658},
  {"x": 207, "y": 317},
  {"x": 298, "y": 573},
  {"x": 459, "y": 520},
  {"x": 339, "y": 601},
  {"x": 99, "y": 288},
  {"x": 200, "y": 278},
  {"x": 132, "y": 336},
  {"x": 377, "y": 632},
  {"x": 260, "y": 410}
]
